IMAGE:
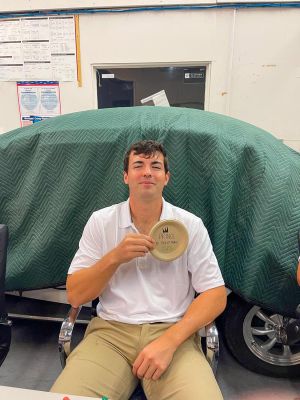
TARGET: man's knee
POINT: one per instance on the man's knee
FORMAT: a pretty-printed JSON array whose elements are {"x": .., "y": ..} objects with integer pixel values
[{"x": 188, "y": 376}]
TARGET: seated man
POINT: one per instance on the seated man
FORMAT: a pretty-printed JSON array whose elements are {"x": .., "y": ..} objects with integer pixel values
[{"x": 147, "y": 313}]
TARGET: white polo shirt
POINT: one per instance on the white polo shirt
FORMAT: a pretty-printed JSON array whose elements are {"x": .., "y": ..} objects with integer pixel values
[{"x": 145, "y": 289}]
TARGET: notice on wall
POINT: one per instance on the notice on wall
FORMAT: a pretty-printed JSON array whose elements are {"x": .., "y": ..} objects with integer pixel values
[
  {"x": 38, "y": 49},
  {"x": 38, "y": 101}
]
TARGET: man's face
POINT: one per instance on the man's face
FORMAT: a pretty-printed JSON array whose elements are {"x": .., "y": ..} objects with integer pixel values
[{"x": 146, "y": 176}]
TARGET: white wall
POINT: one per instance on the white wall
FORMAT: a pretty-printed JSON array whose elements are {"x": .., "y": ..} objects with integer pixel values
[{"x": 252, "y": 55}]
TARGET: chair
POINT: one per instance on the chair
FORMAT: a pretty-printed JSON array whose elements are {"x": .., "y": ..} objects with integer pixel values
[
  {"x": 5, "y": 324},
  {"x": 209, "y": 341}
]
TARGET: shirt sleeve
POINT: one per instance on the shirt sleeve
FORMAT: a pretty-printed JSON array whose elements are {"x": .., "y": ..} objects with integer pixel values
[
  {"x": 90, "y": 249},
  {"x": 202, "y": 262}
]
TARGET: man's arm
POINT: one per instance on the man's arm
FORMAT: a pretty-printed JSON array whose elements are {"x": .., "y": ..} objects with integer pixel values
[
  {"x": 155, "y": 358},
  {"x": 88, "y": 283}
]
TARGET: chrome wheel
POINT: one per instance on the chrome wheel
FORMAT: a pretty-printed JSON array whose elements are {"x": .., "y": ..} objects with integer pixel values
[{"x": 264, "y": 335}]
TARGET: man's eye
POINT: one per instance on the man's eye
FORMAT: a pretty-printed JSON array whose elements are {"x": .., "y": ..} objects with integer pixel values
[
  {"x": 137, "y": 166},
  {"x": 157, "y": 167}
]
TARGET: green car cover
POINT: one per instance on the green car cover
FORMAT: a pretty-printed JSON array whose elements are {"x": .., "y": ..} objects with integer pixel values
[{"x": 242, "y": 182}]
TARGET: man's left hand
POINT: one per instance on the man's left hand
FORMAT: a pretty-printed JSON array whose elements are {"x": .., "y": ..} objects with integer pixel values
[{"x": 154, "y": 359}]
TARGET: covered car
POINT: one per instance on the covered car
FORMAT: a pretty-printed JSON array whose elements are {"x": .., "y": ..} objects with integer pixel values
[{"x": 243, "y": 182}]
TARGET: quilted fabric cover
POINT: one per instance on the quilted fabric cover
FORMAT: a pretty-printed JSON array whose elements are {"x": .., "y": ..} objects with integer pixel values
[{"x": 240, "y": 180}]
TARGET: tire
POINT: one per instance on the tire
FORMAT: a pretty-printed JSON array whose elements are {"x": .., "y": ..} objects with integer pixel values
[{"x": 260, "y": 350}]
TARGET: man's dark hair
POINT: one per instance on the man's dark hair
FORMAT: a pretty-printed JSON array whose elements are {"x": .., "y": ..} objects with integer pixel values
[{"x": 149, "y": 148}]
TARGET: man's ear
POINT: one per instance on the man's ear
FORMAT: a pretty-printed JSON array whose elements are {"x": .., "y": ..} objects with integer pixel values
[
  {"x": 168, "y": 176},
  {"x": 125, "y": 177}
]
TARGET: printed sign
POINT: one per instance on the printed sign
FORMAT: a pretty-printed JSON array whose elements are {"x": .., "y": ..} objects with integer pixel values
[{"x": 38, "y": 101}]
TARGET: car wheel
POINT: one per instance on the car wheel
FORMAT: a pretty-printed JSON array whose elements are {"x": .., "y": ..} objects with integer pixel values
[{"x": 255, "y": 337}]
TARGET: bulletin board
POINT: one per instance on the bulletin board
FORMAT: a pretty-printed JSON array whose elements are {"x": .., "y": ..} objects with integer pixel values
[{"x": 42, "y": 48}]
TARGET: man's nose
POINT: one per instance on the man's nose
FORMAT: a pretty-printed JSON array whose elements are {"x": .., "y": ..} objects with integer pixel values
[{"x": 147, "y": 171}]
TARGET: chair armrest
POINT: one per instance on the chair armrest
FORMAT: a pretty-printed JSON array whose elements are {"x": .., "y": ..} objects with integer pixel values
[
  {"x": 5, "y": 324},
  {"x": 65, "y": 334},
  {"x": 212, "y": 345},
  {"x": 5, "y": 338}
]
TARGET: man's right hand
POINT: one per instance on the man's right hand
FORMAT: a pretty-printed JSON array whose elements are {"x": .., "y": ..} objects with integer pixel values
[
  {"x": 88, "y": 283},
  {"x": 133, "y": 245}
]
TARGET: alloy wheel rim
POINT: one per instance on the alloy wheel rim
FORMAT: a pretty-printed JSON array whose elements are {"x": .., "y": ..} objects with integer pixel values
[{"x": 262, "y": 334}]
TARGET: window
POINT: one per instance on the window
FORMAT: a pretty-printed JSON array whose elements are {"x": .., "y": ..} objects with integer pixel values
[{"x": 125, "y": 87}]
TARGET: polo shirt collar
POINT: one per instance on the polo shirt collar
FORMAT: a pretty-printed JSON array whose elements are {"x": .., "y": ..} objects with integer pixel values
[
  {"x": 125, "y": 216},
  {"x": 167, "y": 211}
]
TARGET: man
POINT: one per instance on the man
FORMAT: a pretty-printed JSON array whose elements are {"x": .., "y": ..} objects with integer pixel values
[{"x": 147, "y": 314}]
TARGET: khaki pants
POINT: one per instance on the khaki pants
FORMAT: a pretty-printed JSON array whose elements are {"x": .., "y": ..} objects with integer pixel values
[{"x": 102, "y": 364}]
